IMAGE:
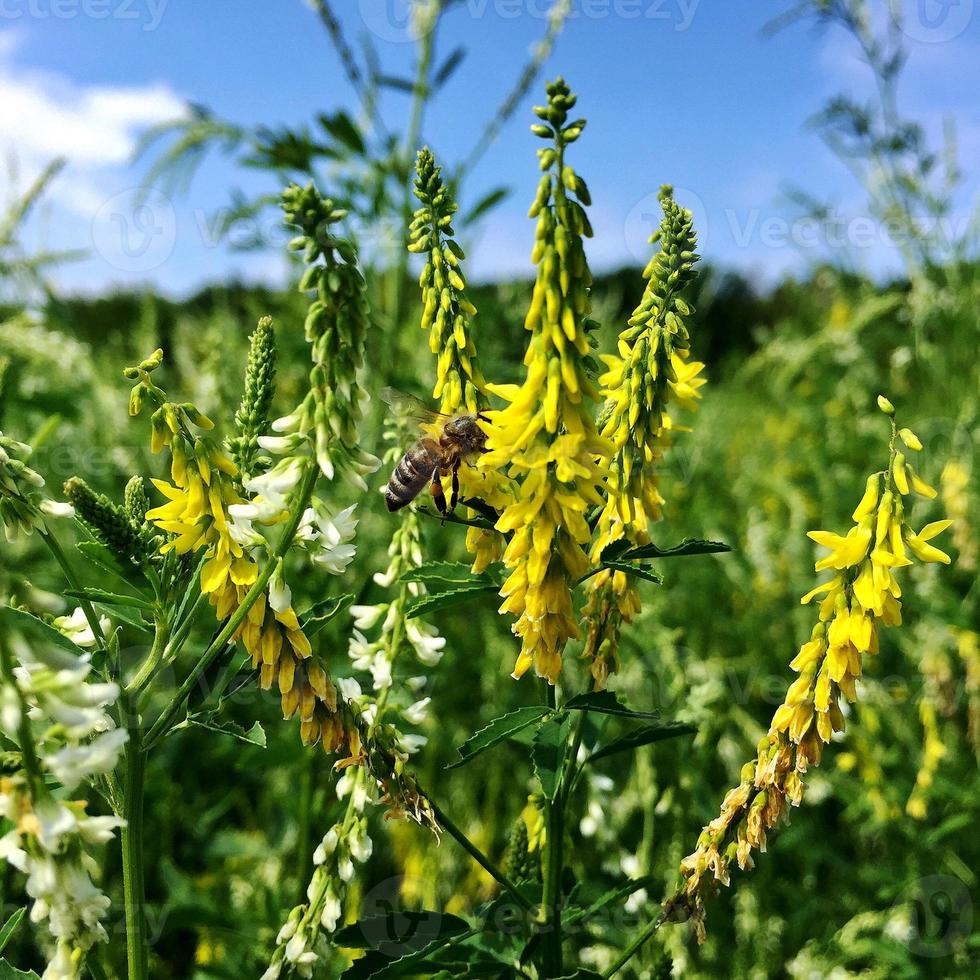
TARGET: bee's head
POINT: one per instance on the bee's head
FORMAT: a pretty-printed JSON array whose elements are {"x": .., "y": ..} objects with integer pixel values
[{"x": 465, "y": 429}]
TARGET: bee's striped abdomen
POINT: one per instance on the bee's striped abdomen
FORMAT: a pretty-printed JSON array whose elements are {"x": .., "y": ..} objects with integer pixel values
[{"x": 411, "y": 475}]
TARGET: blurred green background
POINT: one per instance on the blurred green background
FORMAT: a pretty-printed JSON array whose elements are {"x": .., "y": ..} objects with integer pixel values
[{"x": 875, "y": 876}]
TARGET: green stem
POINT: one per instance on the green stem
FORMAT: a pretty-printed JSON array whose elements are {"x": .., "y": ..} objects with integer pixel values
[
  {"x": 132, "y": 850},
  {"x": 304, "y": 841},
  {"x": 182, "y": 631},
  {"x": 163, "y": 724},
  {"x": 87, "y": 608},
  {"x": 420, "y": 96},
  {"x": 635, "y": 945},
  {"x": 477, "y": 855},
  {"x": 147, "y": 669},
  {"x": 553, "y": 859}
]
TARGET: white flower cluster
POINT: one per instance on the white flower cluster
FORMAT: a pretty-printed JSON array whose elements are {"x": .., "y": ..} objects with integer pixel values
[
  {"x": 78, "y": 739},
  {"x": 327, "y": 537},
  {"x": 377, "y": 656},
  {"x": 75, "y": 740},
  {"x": 48, "y": 844},
  {"x": 19, "y": 489},
  {"x": 333, "y": 861},
  {"x": 301, "y": 942}
]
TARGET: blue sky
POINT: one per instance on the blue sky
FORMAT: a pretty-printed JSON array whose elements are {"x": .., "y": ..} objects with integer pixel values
[{"x": 681, "y": 91}]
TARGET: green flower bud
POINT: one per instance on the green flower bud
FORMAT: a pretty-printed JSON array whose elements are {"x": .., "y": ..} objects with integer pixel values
[{"x": 109, "y": 522}]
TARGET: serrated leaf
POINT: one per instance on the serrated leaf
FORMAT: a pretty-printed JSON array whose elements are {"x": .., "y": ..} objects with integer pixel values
[
  {"x": 19, "y": 619},
  {"x": 692, "y": 546},
  {"x": 109, "y": 598},
  {"x": 130, "y": 618},
  {"x": 439, "y": 573},
  {"x": 640, "y": 571},
  {"x": 646, "y": 735},
  {"x": 497, "y": 731},
  {"x": 547, "y": 753},
  {"x": 254, "y": 736},
  {"x": 425, "y": 604},
  {"x": 318, "y": 615},
  {"x": 607, "y": 703},
  {"x": 10, "y": 927},
  {"x": 8, "y": 972},
  {"x": 100, "y": 556}
]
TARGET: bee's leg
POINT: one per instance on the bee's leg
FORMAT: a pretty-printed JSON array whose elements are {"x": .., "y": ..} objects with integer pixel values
[
  {"x": 454, "y": 499},
  {"x": 438, "y": 495}
]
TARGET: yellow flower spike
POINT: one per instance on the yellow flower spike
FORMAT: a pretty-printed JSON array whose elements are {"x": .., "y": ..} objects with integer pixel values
[
  {"x": 857, "y": 601},
  {"x": 195, "y": 517},
  {"x": 546, "y": 438}
]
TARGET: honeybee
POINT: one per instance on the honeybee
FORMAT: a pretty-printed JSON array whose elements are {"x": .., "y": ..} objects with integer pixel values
[{"x": 432, "y": 458}]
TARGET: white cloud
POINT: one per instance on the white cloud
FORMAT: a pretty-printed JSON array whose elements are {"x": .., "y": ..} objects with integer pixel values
[{"x": 44, "y": 115}]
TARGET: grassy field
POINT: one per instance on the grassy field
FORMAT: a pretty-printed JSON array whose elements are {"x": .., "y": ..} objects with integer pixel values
[{"x": 549, "y": 853}]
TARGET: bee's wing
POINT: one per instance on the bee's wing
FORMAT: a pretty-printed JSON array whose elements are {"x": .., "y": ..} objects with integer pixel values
[{"x": 407, "y": 406}]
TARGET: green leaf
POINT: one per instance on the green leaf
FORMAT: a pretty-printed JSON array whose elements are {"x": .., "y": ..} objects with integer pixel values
[
  {"x": 547, "y": 753},
  {"x": 10, "y": 927},
  {"x": 393, "y": 81},
  {"x": 100, "y": 556},
  {"x": 497, "y": 731},
  {"x": 342, "y": 128},
  {"x": 691, "y": 546},
  {"x": 109, "y": 598},
  {"x": 254, "y": 736},
  {"x": 318, "y": 615},
  {"x": 400, "y": 932},
  {"x": 8, "y": 972},
  {"x": 646, "y": 735},
  {"x": 607, "y": 703},
  {"x": 485, "y": 204},
  {"x": 640, "y": 571},
  {"x": 438, "y": 573},
  {"x": 448, "y": 67},
  {"x": 130, "y": 618},
  {"x": 425, "y": 604},
  {"x": 19, "y": 619}
]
